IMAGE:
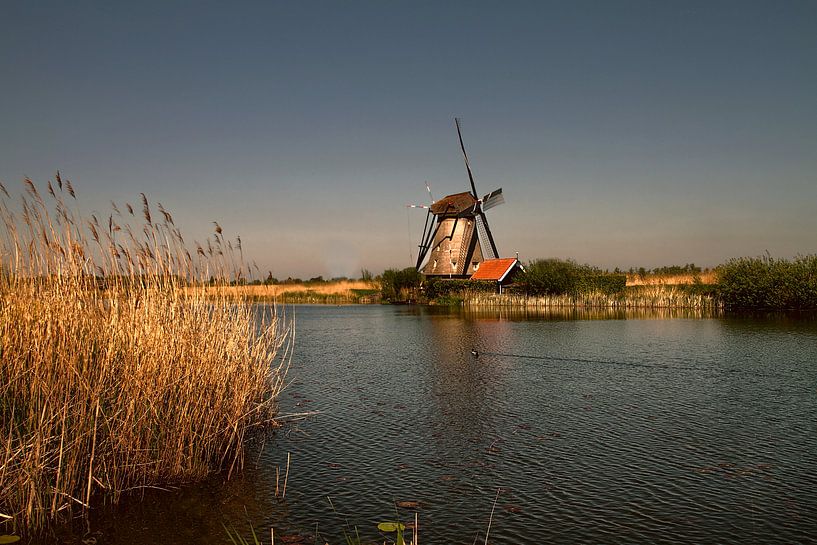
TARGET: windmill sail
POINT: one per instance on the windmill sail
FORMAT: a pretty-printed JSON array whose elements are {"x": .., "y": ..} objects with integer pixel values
[
  {"x": 465, "y": 157},
  {"x": 492, "y": 199},
  {"x": 485, "y": 239}
]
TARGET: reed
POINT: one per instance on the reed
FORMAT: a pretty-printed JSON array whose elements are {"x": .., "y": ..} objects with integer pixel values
[
  {"x": 516, "y": 313},
  {"x": 120, "y": 368},
  {"x": 636, "y": 297},
  {"x": 652, "y": 279}
]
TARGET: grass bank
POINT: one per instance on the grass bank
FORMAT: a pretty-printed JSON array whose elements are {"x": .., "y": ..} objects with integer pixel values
[
  {"x": 659, "y": 296},
  {"x": 555, "y": 283},
  {"x": 328, "y": 293},
  {"x": 116, "y": 371}
]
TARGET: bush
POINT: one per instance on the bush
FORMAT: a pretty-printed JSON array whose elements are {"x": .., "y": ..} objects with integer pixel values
[
  {"x": 400, "y": 284},
  {"x": 768, "y": 283},
  {"x": 442, "y": 288},
  {"x": 605, "y": 283},
  {"x": 561, "y": 277}
]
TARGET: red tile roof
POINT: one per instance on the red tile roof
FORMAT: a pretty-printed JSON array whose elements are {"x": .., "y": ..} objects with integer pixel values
[{"x": 494, "y": 269}]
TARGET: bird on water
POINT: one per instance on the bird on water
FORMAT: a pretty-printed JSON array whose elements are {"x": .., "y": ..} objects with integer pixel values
[{"x": 474, "y": 352}]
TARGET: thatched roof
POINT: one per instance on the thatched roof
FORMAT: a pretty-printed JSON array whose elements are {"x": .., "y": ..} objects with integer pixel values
[{"x": 453, "y": 204}]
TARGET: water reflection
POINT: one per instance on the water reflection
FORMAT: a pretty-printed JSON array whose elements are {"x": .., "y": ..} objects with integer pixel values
[
  {"x": 708, "y": 439},
  {"x": 565, "y": 313},
  {"x": 463, "y": 388},
  {"x": 195, "y": 513}
]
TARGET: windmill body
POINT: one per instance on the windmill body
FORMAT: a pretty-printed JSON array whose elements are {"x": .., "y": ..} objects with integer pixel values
[
  {"x": 455, "y": 249},
  {"x": 456, "y": 237}
]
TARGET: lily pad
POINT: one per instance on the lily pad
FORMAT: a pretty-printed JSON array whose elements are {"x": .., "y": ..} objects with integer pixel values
[{"x": 391, "y": 526}]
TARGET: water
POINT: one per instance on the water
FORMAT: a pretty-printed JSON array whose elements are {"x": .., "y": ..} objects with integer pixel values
[{"x": 646, "y": 430}]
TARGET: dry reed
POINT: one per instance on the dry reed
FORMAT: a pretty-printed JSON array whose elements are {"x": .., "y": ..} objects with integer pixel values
[
  {"x": 341, "y": 287},
  {"x": 656, "y": 296},
  {"x": 708, "y": 277},
  {"x": 113, "y": 377},
  {"x": 332, "y": 293}
]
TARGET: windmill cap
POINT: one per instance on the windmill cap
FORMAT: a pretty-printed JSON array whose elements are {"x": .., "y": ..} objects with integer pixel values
[{"x": 453, "y": 204}]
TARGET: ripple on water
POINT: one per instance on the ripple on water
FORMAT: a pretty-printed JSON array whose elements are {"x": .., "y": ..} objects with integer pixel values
[{"x": 682, "y": 431}]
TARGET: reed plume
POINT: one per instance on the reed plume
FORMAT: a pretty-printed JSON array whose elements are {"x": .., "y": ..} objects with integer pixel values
[{"x": 123, "y": 363}]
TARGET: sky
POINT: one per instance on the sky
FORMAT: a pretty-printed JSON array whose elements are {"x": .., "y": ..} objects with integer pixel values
[{"x": 624, "y": 134}]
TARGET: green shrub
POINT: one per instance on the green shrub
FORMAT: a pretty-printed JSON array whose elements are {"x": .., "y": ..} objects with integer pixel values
[
  {"x": 561, "y": 277},
  {"x": 400, "y": 284},
  {"x": 440, "y": 288},
  {"x": 769, "y": 283},
  {"x": 605, "y": 283}
]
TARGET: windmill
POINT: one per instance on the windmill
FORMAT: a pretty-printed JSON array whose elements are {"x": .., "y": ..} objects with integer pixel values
[{"x": 458, "y": 238}]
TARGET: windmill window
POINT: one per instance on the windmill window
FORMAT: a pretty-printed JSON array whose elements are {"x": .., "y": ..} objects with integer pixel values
[
  {"x": 476, "y": 265},
  {"x": 435, "y": 265},
  {"x": 453, "y": 263}
]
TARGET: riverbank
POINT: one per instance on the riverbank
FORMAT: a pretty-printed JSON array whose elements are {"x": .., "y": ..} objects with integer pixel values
[
  {"x": 655, "y": 296},
  {"x": 651, "y": 291}
]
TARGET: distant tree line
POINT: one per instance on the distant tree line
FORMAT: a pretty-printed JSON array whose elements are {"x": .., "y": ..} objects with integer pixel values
[
  {"x": 270, "y": 280},
  {"x": 671, "y": 270}
]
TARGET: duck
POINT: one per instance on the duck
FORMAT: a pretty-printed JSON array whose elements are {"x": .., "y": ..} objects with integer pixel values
[{"x": 474, "y": 352}]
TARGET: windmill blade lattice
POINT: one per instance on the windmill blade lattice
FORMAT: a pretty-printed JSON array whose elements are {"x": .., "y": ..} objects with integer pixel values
[
  {"x": 492, "y": 199},
  {"x": 484, "y": 239}
]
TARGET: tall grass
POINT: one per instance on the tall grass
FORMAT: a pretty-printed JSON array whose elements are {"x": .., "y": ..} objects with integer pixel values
[
  {"x": 113, "y": 377},
  {"x": 652, "y": 279},
  {"x": 523, "y": 313},
  {"x": 635, "y": 297}
]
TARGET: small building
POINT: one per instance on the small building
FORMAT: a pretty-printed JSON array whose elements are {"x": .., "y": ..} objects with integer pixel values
[{"x": 502, "y": 271}]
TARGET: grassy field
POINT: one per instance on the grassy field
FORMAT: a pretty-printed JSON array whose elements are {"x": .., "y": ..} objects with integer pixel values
[
  {"x": 114, "y": 373},
  {"x": 341, "y": 292}
]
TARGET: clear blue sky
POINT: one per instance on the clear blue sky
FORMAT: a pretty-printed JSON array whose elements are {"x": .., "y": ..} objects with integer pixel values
[{"x": 623, "y": 133}]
